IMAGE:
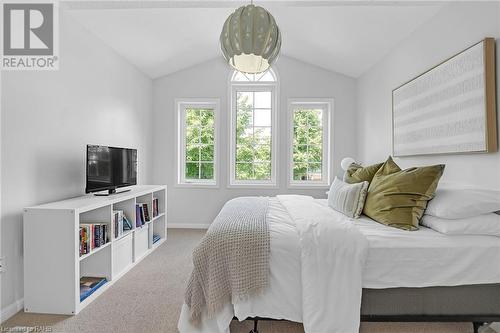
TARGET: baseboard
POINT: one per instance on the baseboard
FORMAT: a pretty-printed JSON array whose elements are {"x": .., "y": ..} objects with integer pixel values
[
  {"x": 188, "y": 225},
  {"x": 11, "y": 310}
]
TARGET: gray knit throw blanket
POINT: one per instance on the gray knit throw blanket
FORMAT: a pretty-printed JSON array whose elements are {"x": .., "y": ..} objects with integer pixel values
[{"x": 232, "y": 261}]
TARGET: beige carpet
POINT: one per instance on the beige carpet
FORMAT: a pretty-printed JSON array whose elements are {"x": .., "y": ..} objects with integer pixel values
[{"x": 148, "y": 299}]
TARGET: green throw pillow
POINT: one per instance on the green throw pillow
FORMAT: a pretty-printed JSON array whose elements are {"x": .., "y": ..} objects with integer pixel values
[
  {"x": 357, "y": 173},
  {"x": 398, "y": 198}
]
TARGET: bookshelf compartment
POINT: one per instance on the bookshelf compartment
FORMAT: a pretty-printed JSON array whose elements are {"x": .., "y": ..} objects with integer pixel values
[
  {"x": 159, "y": 228},
  {"x": 141, "y": 242},
  {"x": 97, "y": 265},
  {"x": 123, "y": 255},
  {"x": 98, "y": 215},
  {"x": 161, "y": 196}
]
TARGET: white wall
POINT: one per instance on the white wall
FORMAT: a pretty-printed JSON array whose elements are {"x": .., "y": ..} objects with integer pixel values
[
  {"x": 210, "y": 79},
  {"x": 454, "y": 28},
  {"x": 49, "y": 117}
]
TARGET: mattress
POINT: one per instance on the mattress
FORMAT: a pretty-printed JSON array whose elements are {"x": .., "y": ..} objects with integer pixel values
[{"x": 396, "y": 259}]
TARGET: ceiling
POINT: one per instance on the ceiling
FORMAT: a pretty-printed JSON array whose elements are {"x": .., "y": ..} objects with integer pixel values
[{"x": 162, "y": 37}]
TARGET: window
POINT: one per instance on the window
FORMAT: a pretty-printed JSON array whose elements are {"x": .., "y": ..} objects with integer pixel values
[
  {"x": 253, "y": 129},
  {"x": 309, "y": 155},
  {"x": 197, "y": 142}
]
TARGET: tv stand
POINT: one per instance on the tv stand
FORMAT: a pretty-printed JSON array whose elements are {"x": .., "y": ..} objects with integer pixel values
[{"x": 52, "y": 255}]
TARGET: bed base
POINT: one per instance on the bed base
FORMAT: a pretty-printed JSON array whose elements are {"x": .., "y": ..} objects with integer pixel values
[{"x": 476, "y": 321}]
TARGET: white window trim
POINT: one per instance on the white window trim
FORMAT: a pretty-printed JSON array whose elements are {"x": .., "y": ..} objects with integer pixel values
[
  {"x": 327, "y": 104},
  {"x": 235, "y": 86},
  {"x": 180, "y": 105}
]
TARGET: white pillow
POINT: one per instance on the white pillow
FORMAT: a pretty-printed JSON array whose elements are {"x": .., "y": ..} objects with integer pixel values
[
  {"x": 348, "y": 199},
  {"x": 462, "y": 203},
  {"x": 486, "y": 224}
]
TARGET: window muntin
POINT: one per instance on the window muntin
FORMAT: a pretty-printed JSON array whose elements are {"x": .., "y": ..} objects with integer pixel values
[
  {"x": 309, "y": 143},
  {"x": 253, "y": 130},
  {"x": 197, "y": 159}
]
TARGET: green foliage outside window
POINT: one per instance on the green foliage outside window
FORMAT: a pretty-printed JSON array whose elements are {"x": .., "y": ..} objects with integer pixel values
[
  {"x": 307, "y": 144},
  {"x": 253, "y": 142},
  {"x": 200, "y": 132}
]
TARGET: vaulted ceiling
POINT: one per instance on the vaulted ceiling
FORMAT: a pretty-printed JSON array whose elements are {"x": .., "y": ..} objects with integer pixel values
[{"x": 161, "y": 37}]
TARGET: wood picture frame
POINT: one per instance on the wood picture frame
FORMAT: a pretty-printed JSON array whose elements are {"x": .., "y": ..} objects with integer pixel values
[{"x": 450, "y": 108}]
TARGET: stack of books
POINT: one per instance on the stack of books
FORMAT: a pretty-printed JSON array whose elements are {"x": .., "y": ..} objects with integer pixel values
[
  {"x": 156, "y": 238},
  {"x": 155, "y": 207},
  {"x": 141, "y": 214},
  {"x": 88, "y": 285},
  {"x": 93, "y": 235},
  {"x": 121, "y": 223}
]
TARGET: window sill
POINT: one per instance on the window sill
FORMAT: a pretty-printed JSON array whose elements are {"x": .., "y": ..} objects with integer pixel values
[
  {"x": 308, "y": 186},
  {"x": 197, "y": 185},
  {"x": 252, "y": 186}
]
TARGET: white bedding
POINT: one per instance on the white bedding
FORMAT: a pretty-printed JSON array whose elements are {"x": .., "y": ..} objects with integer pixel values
[{"x": 396, "y": 258}]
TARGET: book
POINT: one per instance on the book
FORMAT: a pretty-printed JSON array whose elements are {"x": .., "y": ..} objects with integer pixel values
[
  {"x": 126, "y": 223},
  {"x": 88, "y": 285},
  {"x": 155, "y": 207},
  {"x": 145, "y": 212},
  {"x": 138, "y": 220},
  {"x": 143, "y": 217}
]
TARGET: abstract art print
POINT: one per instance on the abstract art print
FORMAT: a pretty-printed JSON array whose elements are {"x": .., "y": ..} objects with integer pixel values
[{"x": 449, "y": 109}]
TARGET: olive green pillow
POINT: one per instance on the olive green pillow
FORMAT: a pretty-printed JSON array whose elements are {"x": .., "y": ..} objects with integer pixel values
[
  {"x": 357, "y": 173},
  {"x": 398, "y": 198}
]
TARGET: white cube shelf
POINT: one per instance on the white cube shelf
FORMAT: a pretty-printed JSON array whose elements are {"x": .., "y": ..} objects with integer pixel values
[{"x": 53, "y": 265}]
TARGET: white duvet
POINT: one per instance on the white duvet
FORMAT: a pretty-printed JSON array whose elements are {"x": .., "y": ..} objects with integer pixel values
[{"x": 332, "y": 253}]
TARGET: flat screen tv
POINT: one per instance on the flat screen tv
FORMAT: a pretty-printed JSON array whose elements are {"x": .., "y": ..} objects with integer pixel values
[{"x": 109, "y": 168}]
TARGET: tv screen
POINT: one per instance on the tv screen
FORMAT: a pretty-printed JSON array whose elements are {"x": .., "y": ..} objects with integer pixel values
[{"x": 109, "y": 168}]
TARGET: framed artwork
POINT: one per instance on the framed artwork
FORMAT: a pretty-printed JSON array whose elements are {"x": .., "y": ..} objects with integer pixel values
[{"x": 449, "y": 109}]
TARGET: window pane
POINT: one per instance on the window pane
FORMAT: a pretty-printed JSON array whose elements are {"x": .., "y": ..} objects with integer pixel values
[
  {"x": 207, "y": 153},
  {"x": 192, "y": 170},
  {"x": 244, "y": 171},
  {"x": 244, "y": 136},
  {"x": 244, "y": 153},
  {"x": 315, "y": 154},
  {"x": 207, "y": 117},
  {"x": 192, "y": 117},
  {"x": 192, "y": 135},
  {"x": 300, "y": 118},
  {"x": 267, "y": 76},
  {"x": 207, "y": 135},
  {"x": 262, "y": 135},
  {"x": 315, "y": 135},
  {"x": 300, "y": 153},
  {"x": 244, "y": 99},
  {"x": 300, "y": 171},
  {"x": 262, "y": 117},
  {"x": 206, "y": 171},
  {"x": 262, "y": 153},
  {"x": 262, "y": 99},
  {"x": 262, "y": 171},
  {"x": 192, "y": 153},
  {"x": 314, "y": 172},
  {"x": 300, "y": 136}
]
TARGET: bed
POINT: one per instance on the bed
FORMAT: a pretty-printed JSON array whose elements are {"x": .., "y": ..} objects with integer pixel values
[{"x": 407, "y": 276}]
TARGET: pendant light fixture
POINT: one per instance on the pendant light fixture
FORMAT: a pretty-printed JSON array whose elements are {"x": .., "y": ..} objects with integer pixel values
[{"x": 250, "y": 39}]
